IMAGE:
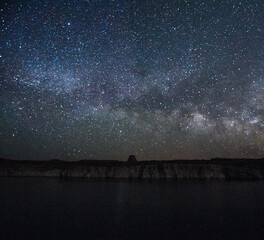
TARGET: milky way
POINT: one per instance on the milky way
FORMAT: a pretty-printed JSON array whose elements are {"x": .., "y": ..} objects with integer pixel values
[{"x": 101, "y": 79}]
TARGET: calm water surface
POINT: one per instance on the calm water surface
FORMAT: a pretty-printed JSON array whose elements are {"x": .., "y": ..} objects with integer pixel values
[{"x": 39, "y": 208}]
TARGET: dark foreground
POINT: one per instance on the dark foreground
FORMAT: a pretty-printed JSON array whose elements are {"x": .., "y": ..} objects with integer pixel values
[
  {"x": 177, "y": 169},
  {"x": 75, "y": 209}
]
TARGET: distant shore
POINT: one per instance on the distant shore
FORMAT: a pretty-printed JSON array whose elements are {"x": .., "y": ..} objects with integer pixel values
[{"x": 217, "y": 168}]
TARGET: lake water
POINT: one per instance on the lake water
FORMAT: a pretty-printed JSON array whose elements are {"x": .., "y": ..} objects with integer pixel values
[{"x": 39, "y": 208}]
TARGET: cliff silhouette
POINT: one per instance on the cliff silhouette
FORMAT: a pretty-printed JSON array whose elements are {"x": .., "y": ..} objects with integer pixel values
[{"x": 217, "y": 168}]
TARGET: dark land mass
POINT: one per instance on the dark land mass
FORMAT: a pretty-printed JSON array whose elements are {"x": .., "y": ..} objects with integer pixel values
[{"x": 217, "y": 168}]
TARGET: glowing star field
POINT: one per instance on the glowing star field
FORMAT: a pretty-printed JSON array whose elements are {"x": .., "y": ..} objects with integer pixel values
[{"x": 157, "y": 79}]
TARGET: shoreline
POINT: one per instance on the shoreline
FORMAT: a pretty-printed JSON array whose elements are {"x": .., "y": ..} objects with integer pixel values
[{"x": 224, "y": 169}]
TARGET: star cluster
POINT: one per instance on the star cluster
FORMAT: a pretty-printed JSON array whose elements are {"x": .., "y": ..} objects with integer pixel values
[{"x": 161, "y": 79}]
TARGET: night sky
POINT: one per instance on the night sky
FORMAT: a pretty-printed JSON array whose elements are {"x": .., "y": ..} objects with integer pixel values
[{"x": 102, "y": 79}]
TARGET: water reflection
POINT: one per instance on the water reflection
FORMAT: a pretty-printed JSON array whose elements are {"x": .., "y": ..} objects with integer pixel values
[{"x": 33, "y": 208}]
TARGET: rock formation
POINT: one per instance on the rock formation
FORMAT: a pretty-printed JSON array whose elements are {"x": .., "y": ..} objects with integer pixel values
[
  {"x": 132, "y": 159},
  {"x": 177, "y": 169}
]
